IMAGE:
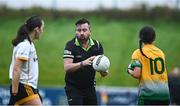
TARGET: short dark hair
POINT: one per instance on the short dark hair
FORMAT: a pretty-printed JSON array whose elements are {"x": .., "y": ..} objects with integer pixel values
[{"x": 82, "y": 21}]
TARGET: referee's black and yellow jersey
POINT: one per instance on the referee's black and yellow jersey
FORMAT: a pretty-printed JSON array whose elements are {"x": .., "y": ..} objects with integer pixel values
[
  {"x": 153, "y": 82},
  {"x": 85, "y": 76}
]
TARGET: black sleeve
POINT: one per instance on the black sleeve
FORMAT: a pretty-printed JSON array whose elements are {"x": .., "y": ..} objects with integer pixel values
[
  {"x": 101, "y": 50},
  {"x": 68, "y": 51}
]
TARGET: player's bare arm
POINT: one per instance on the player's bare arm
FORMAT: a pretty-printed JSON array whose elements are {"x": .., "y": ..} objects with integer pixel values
[
  {"x": 16, "y": 76},
  {"x": 136, "y": 72}
]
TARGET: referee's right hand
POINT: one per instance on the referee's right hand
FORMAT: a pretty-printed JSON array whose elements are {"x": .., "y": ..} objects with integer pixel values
[{"x": 88, "y": 61}]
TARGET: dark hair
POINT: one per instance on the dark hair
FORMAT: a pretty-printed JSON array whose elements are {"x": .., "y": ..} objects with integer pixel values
[
  {"x": 82, "y": 21},
  {"x": 26, "y": 28},
  {"x": 147, "y": 36}
]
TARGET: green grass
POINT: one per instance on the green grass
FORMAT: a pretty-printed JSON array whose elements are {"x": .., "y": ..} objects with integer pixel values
[{"x": 119, "y": 39}]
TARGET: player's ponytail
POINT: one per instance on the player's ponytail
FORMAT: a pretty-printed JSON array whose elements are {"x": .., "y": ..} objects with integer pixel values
[
  {"x": 26, "y": 28},
  {"x": 140, "y": 48},
  {"x": 22, "y": 34},
  {"x": 147, "y": 36}
]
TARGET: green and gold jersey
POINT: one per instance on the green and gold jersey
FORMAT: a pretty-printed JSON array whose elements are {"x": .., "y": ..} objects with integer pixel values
[{"x": 153, "y": 83}]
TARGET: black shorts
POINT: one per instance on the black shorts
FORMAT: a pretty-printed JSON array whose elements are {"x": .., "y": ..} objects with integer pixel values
[
  {"x": 81, "y": 96},
  {"x": 25, "y": 93}
]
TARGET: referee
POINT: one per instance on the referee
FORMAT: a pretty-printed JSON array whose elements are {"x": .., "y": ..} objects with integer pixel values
[{"x": 78, "y": 56}]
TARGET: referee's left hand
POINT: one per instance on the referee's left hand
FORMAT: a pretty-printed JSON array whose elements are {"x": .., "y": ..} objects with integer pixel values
[{"x": 105, "y": 73}]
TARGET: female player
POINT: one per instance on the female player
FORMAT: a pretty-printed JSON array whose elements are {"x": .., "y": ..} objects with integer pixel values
[
  {"x": 24, "y": 65},
  {"x": 148, "y": 65}
]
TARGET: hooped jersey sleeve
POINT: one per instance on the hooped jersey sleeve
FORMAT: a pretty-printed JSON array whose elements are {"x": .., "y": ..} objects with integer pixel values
[
  {"x": 68, "y": 51},
  {"x": 135, "y": 62},
  {"x": 23, "y": 51}
]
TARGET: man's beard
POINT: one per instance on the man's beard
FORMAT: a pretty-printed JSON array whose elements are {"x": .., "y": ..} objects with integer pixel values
[{"x": 83, "y": 38}]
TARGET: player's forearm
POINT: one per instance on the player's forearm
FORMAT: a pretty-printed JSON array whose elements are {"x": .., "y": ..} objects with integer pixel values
[
  {"x": 134, "y": 74},
  {"x": 15, "y": 80}
]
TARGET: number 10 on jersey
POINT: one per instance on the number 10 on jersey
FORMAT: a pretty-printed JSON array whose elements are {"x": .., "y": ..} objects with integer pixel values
[{"x": 154, "y": 66}]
